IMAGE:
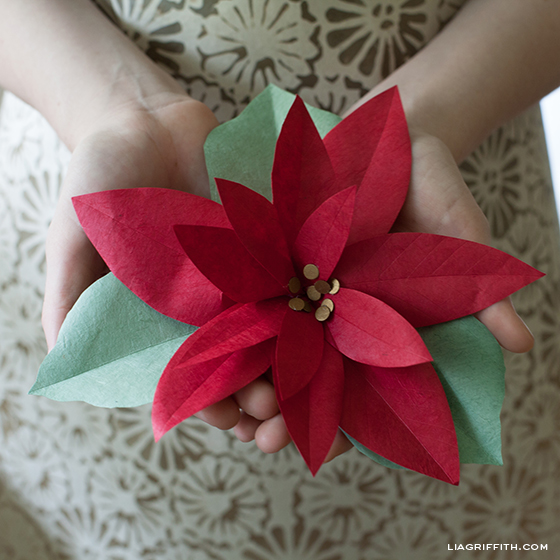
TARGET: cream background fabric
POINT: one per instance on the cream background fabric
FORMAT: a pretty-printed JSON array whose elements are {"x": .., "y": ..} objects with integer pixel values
[{"x": 82, "y": 483}]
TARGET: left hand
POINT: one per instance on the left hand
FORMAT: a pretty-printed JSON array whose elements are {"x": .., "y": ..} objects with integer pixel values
[{"x": 440, "y": 202}]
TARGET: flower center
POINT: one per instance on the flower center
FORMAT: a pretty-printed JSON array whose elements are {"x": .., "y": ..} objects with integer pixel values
[{"x": 311, "y": 297}]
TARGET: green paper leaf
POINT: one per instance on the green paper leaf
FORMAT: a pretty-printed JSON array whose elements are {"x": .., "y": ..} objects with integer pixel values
[
  {"x": 369, "y": 453},
  {"x": 470, "y": 366},
  {"x": 111, "y": 351},
  {"x": 242, "y": 149}
]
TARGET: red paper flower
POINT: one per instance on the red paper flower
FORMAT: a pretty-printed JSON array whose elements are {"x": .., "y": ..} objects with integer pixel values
[{"x": 312, "y": 285}]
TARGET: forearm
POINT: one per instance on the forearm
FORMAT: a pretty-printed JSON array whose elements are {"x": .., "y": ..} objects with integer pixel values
[
  {"x": 495, "y": 59},
  {"x": 68, "y": 61}
]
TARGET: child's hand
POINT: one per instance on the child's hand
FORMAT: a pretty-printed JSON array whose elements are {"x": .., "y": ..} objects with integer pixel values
[
  {"x": 135, "y": 148},
  {"x": 130, "y": 148},
  {"x": 440, "y": 202}
]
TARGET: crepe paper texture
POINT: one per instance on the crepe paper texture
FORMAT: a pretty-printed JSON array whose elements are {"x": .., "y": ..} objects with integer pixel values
[{"x": 314, "y": 286}]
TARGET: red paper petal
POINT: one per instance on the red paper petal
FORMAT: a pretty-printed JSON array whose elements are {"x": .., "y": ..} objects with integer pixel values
[
  {"x": 371, "y": 148},
  {"x": 432, "y": 279},
  {"x": 185, "y": 389},
  {"x": 298, "y": 352},
  {"x": 402, "y": 415},
  {"x": 323, "y": 236},
  {"x": 221, "y": 257},
  {"x": 312, "y": 416},
  {"x": 132, "y": 229},
  {"x": 369, "y": 331},
  {"x": 302, "y": 174},
  {"x": 256, "y": 223},
  {"x": 238, "y": 327}
]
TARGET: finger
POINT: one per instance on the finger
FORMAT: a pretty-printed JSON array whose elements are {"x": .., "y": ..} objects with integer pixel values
[
  {"x": 272, "y": 435},
  {"x": 224, "y": 414},
  {"x": 508, "y": 328},
  {"x": 257, "y": 399},
  {"x": 340, "y": 445},
  {"x": 73, "y": 265},
  {"x": 246, "y": 428}
]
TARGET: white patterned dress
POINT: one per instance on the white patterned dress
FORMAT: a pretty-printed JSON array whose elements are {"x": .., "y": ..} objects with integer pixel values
[{"x": 77, "y": 482}]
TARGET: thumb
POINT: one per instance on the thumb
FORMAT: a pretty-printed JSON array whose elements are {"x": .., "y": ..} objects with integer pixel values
[
  {"x": 506, "y": 325},
  {"x": 440, "y": 202},
  {"x": 73, "y": 265}
]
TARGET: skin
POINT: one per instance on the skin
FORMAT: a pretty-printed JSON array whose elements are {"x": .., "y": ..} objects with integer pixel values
[{"x": 128, "y": 124}]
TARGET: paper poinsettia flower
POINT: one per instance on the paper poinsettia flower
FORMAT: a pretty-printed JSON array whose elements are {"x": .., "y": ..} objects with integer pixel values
[{"x": 312, "y": 285}]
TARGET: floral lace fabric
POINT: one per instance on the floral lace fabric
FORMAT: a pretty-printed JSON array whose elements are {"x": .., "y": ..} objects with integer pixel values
[{"x": 78, "y": 482}]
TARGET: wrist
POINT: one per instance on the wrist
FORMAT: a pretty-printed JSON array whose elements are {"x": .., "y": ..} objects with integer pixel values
[
  {"x": 119, "y": 80},
  {"x": 431, "y": 109},
  {"x": 79, "y": 69},
  {"x": 126, "y": 94},
  {"x": 476, "y": 75}
]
